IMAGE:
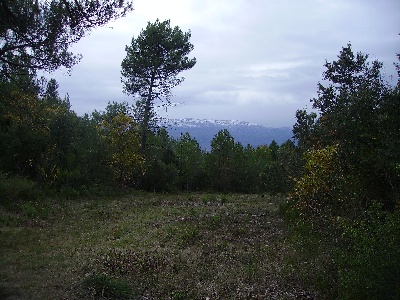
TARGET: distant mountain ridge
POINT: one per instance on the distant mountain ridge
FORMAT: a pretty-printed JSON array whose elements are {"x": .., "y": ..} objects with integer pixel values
[{"x": 204, "y": 130}]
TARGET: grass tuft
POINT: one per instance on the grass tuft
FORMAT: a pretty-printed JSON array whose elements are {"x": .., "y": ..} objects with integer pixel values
[{"x": 102, "y": 286}]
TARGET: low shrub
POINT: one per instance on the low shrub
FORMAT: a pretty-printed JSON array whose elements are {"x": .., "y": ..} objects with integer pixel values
[
  {"x": 353, "y": 259},
  {"x": 17, "y": 189},
  {"x": 370, "y": 268},
  {"x": 106, "y": 286}
]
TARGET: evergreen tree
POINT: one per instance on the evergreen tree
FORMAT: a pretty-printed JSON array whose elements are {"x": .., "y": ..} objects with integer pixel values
[
  {"x": 225, "y": 163},
  {"x": 36, "y": 35},
  {"x": 151, "y": 67},
  {"x": 190, "y": 163},
  {"x": 160, "y": 168}
]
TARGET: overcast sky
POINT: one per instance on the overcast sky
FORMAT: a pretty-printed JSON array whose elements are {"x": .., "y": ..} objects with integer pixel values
[{"x": 257, "y": 60}]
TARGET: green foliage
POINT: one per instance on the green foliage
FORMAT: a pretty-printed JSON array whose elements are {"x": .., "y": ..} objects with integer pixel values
[
  {"x": 290, "y": 160},
  {"x": 190, "y": 163},
  {"x": 22, "y": 132},
  {"x": 160, "y": 164},
  {"x": 269, "y": 169},
  {"x": 257, "y": 162},
  {"x": 108, "y": 287},
  {"x": 345, "y": 204},
  {"x": 369, "y": 268},
  {"x": 358, "y": 260},
  {"x": 158, "y": 54},
  {"x": 37, "y": 34},
  {"x": 303, "y": 129},
  {"x": 317, "y": 195},
  {"x": 122, "y": 137},
  {"x": 187, "y": 235},
  {"x": 36, "y": 210},
  {"x": 42, "y": 139},
  {"x": 347, "y": 160},
  {"x": 225, "y": 162},
  {"x": 310, "y": 258},
  {"x": 356, "y": 112},
  {"x": 22, "y": 196},
  {"x": 180, "y": 295},
  {"x": 14, "y": 189},
  {"x": 205, "y": 199},
  {"x": 224, "y": 199},
  {"x": 150, "y": 69}
]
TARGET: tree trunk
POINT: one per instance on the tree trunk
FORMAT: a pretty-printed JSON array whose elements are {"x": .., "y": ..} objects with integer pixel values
[{"x": 146, "y": 118}]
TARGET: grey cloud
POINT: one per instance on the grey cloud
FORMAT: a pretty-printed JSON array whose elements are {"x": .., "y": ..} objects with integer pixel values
[{"x": 257, "y": 61}]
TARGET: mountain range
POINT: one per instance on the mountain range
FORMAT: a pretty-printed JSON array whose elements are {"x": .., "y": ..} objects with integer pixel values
[{"x": 204, "y": 130}]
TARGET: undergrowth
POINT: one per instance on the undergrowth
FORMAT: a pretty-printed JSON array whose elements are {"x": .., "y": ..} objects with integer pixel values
[{"x": 147, "y": 246}]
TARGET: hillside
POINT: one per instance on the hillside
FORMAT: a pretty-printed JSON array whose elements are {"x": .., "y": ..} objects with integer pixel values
[{"x": 203, "y": 130}]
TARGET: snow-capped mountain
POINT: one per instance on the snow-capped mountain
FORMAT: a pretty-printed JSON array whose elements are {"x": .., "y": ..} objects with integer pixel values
[
  {"x": 190, "y": 122},
  {"x": 204, "y": 130}
]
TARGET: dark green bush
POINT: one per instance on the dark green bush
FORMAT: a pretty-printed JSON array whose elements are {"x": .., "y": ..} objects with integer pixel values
[
  {"x": 353, "y": 259},
  {"x": 36, "y": 209},
  {"x": 17, "y": 189},
  {"x": 370, "y": 268}
]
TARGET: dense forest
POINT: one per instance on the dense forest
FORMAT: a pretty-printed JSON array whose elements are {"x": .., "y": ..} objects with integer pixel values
[{"x": 340, "y": 173}]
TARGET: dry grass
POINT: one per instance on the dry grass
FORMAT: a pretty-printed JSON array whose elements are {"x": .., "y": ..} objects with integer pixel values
[{"x": 146, "y": 246}]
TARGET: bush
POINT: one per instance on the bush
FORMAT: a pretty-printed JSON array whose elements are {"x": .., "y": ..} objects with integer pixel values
[
  {"x": 310, "y": 260},
  {"x": 370, "y": 268},
  {"x": 14, "y": 189},
  {"x": 353, "y": 259},
  {"x": 109, "y": 287}
]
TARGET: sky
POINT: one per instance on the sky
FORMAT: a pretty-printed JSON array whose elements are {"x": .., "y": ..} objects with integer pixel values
[{"x": 257, "y": 60}]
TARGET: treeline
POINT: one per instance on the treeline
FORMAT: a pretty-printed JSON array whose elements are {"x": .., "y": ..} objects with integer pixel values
[{"x": 44, "y": 140}]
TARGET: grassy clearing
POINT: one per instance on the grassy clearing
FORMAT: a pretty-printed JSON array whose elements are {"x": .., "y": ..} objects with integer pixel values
[{"x": 146, "y": 246}]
